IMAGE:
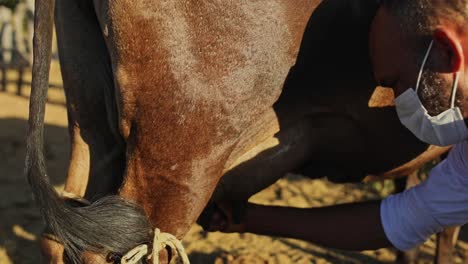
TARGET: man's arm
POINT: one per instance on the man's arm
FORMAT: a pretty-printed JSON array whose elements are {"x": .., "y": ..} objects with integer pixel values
[
  {"x": 403, "y": 220},
  {"x": 349, "y": 226}
]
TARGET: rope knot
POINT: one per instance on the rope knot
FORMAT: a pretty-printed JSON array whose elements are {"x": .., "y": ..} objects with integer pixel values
[{"x": 160, "y": 241}]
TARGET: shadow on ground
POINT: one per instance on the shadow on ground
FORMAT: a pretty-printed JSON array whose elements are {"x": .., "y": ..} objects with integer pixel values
[{"x": 20, "y": 221}]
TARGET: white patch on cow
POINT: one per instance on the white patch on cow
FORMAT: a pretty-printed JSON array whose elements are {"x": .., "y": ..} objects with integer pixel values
[
  {"x": 174, "y": 167},
  {"x": 182, "y": 119},
  {"x": 105, "y": 31}
]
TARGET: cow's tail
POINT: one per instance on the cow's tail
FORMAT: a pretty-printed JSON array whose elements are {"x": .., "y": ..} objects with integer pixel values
[{"x": 108, "y": 225}]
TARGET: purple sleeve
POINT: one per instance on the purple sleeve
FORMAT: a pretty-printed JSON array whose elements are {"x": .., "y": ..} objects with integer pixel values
[{"x": 409, "y": 218}]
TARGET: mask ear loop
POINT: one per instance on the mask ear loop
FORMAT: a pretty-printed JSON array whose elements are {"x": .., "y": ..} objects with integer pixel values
[
  {"x": 454, "y": 89},
  {"x": 424, "y": 64}
]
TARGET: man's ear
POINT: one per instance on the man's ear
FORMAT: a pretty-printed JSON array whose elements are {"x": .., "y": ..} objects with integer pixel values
[{"x": 450, "y": 51}]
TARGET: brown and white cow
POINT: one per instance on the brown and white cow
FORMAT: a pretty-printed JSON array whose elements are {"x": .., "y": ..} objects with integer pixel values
[{"x": 165, "y": 97}]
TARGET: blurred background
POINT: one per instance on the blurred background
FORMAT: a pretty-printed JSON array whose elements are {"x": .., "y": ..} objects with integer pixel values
[{"x": 20, "y": 221}]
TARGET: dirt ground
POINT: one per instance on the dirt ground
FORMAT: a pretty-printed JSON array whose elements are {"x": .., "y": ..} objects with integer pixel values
[{"x": 20, "y": 222}]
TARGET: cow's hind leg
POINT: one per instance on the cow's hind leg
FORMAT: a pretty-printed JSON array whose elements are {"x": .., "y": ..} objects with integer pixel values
[
  {"x": 446, "y": 241},
  {"x": 97, "y": 151}
]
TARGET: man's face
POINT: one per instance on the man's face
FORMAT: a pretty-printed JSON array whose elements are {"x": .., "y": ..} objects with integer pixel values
[{"x": 396, "y": 59}]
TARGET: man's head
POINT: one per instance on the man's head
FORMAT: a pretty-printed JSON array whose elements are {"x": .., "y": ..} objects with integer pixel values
[{"x": 400, "y": 36}]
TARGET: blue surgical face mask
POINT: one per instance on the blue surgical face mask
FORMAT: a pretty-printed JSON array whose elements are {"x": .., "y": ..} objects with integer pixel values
[{"x": 445, "y": 129}]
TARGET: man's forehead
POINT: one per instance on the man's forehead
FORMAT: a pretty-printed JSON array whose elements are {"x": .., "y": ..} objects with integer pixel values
[
  {"x": 389, "y": 49},
  {"x": 385, "y": 31}
]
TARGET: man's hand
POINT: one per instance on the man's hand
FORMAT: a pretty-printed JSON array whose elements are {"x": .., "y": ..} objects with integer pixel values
[{"x": 224, "y": 216}]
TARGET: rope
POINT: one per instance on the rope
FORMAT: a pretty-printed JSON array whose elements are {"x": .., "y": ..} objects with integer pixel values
[{"x": 160, "y": 241}]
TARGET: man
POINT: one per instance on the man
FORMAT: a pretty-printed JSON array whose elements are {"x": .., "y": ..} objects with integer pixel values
[{"x": 420, "y": 49}]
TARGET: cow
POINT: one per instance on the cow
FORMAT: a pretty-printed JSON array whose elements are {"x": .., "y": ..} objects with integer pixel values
[{"x": 165, "y": 97}]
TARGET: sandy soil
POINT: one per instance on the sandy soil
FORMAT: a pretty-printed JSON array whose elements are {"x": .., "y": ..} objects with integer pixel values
[{"x": 20, "y": 222}]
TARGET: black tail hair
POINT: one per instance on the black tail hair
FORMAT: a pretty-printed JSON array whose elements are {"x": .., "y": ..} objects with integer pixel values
[{"x": 110, "y": 225}]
